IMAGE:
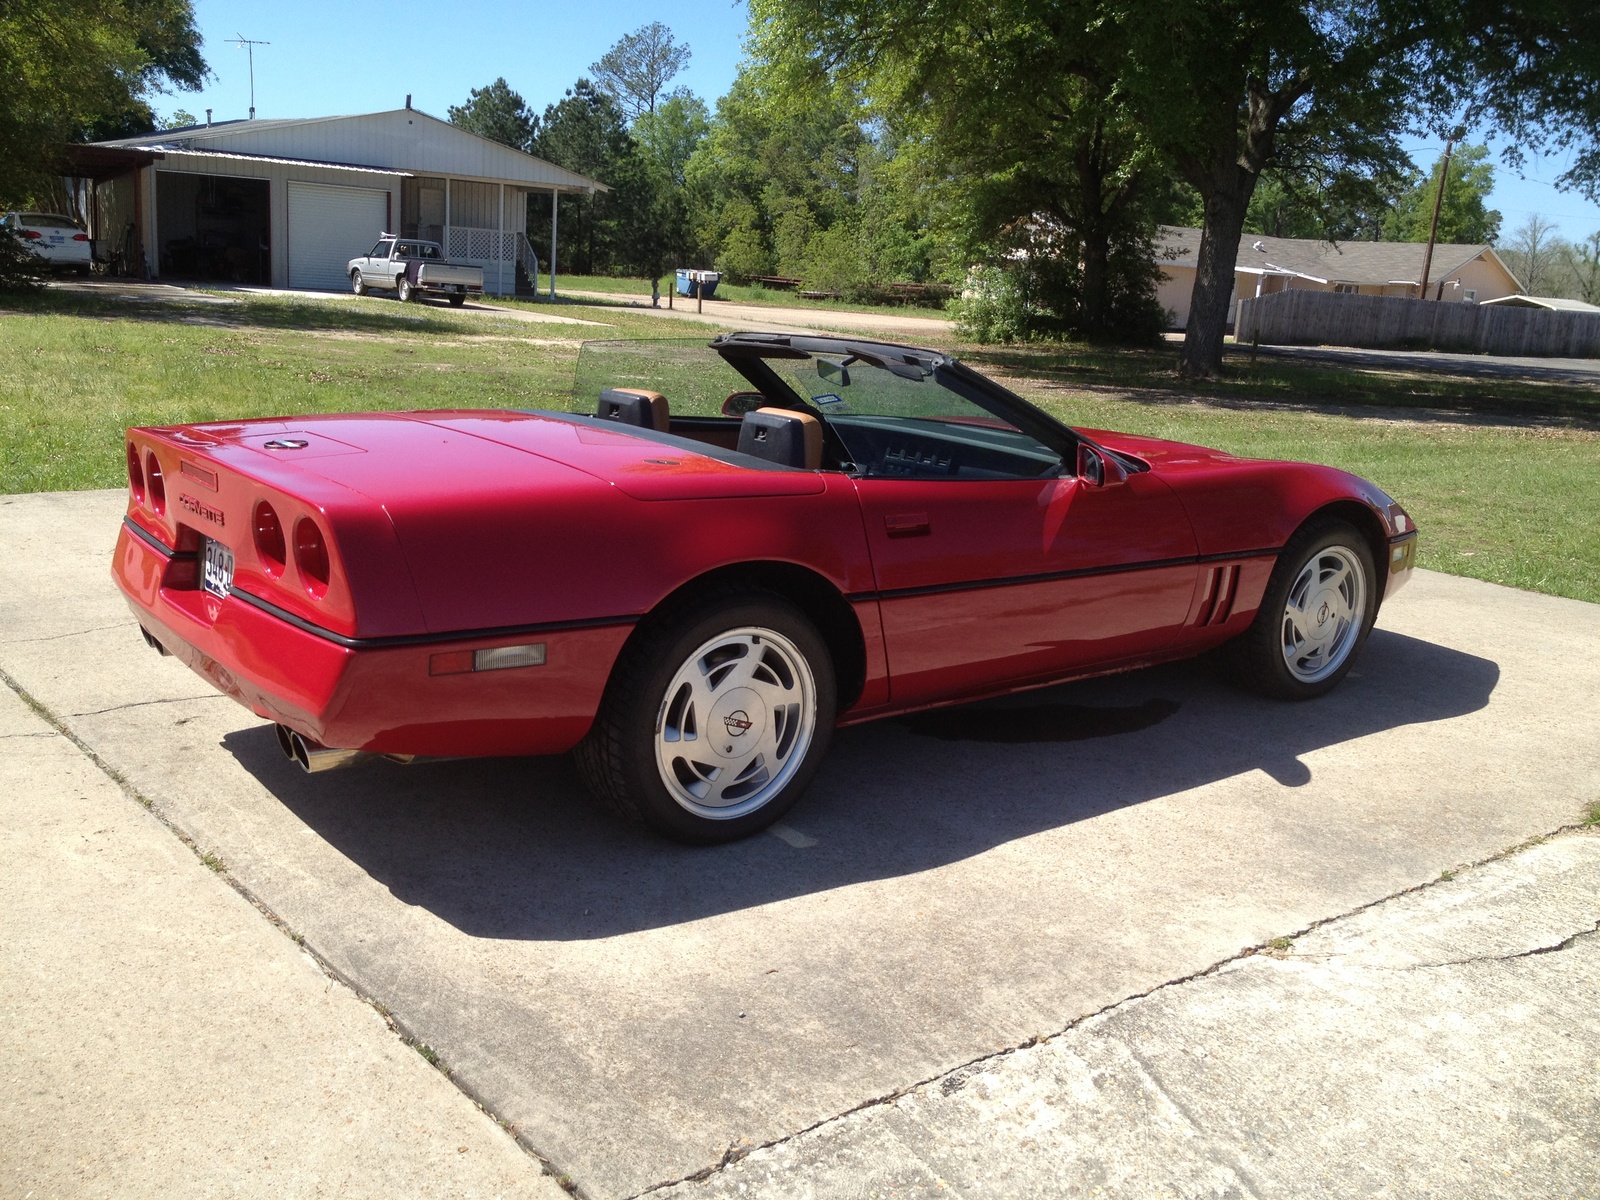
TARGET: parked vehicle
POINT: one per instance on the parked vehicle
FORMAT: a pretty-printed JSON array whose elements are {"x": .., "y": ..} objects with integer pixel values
[
  {"x": 413, "y": 269},
  {"x": 59, "y": 241},
  {"x": 694, "y": 599}
]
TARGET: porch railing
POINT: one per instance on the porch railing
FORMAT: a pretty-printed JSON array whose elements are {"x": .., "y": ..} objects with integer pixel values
[{"x": 528, "y": 260}]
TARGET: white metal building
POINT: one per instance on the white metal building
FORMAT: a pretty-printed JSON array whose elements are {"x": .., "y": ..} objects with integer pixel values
[{"x": 286, "y": 203}]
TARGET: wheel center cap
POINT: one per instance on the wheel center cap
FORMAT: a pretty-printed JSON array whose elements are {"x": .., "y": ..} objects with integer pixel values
[{"x": 738, "y": 719}]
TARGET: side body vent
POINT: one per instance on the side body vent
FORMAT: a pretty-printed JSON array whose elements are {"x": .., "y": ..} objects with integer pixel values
[{"x": 1216, "y": 601}]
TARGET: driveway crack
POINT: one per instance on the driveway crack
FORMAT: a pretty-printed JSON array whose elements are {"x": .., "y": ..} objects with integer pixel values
[
  {"x": 142, "y": 703},
  {"x": 739, "y": 1150},
  {"x": 1555, "y": 948},
  {"x": 56, "y": 637}
]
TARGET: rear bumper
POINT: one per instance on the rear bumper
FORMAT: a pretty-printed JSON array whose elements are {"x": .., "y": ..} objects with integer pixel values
[
  {"x": 380, "y": 698},
  {"x": 1402, "y": 562}
]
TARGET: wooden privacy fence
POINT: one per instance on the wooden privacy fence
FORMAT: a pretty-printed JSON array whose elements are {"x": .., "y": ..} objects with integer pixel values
[{"x": 1302, "y": 316}]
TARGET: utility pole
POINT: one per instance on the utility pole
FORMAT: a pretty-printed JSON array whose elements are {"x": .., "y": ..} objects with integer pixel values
[
  {"x": 249, "y": 47},
  {"x": 1433, "y": 229}
]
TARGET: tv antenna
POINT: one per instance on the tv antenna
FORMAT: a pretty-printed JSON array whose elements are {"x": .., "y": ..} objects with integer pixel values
[{"x": 249, "y": 47}]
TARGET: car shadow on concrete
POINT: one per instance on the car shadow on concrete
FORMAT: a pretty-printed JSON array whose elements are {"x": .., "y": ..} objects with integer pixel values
[{"x": 512, "y": 848}]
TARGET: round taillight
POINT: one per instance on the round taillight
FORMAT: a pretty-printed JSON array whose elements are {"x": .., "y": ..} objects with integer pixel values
[
  {"x": 155, "y": 484},
  {"x": 269, "y": 539},
  {"x": 135, "y": 474},
  {"x": 311, "y": 556}
]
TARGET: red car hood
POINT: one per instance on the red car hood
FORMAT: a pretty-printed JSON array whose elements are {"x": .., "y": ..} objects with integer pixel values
[{"x": 1163, "y": 455}]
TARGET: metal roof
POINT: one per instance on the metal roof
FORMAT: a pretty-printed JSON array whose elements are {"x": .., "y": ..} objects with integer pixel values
[
  {"x": 1553, "y": 303},
  {"x": 185, "y": 152},
  {"x": 1372, "y": 263},
  {"x": 403, "y": 140}
]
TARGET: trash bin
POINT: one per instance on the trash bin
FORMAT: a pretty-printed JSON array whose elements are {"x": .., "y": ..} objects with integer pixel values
[{"x": 698, "y": 283}]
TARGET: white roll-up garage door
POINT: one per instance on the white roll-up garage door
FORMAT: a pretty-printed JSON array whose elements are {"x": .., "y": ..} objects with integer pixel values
[{"x": 328, "y": 226}]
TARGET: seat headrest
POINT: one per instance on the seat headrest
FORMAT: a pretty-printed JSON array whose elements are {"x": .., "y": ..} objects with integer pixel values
[
  {"x": 781, "y": 435},
  {"x": 633, "y": 406}
]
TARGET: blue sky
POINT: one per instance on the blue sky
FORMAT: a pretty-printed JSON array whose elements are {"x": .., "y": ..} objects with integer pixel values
[{"x": 356, "y": 56}]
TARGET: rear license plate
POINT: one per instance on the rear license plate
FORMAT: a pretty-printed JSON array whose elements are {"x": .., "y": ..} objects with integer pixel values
[{"x": 218, "y": 575}]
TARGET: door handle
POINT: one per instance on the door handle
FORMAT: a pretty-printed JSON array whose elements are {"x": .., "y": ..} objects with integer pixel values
[{"x": 908, "y": 525}]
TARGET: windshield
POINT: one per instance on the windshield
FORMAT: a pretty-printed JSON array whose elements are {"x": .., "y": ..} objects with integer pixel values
[
  {"x": 693, "y": 377},
  {"x": 900, "y": 420}
]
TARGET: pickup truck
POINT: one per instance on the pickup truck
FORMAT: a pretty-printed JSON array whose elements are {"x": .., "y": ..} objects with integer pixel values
[{"x": 413, "y": 269}]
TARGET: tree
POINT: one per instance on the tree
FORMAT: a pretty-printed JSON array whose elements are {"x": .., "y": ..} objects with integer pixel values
[
  {"x": 1015, "y": 103},
  {"x": 1463, "y": 217},
  {"x": 1331, "y": 206},
  {"x": 775, "y": 170},
  {"x": 1584, "y": 262},
  {"x": 83, "y": 69},
  {"x": 1219, "y": 89},
  {"x": 1534, "y": 78},
  {"x": 619, "y": 230},
  {"x": 667, "y": 139},
  {"x": 497, "y": 113},
  {"x": 181, "y": 118},
  {"x": 1228, "y": 90},
  {"x": 1534, "y": 256},
  {"x": 638, "y": 68}
]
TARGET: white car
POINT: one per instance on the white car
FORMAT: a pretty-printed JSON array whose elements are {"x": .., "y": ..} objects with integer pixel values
[{"x": 56, "y": 239}]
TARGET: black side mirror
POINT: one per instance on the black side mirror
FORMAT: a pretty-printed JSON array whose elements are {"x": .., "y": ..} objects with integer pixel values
[
  {"x": 1098, "y": 468},
  {"x": 740, "y": 403}
]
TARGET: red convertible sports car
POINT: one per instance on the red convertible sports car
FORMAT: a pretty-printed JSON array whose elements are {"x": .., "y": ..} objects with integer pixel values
[{"x": 729, "y": 554}]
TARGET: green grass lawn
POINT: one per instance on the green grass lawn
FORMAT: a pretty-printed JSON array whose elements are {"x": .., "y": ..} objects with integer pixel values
[
  {"x": 1497, "y": 497},
  {"x": 751, "y": 294},
  {"x": 75, "y": 372}
]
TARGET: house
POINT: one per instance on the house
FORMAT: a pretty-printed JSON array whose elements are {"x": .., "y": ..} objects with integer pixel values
[
  {"x": 1267, "y": 264},
  {"x": 286, "y": 203}
]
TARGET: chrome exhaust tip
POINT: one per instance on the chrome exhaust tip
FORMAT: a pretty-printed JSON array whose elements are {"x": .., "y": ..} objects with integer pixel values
[{"x": 315, "y": 758}]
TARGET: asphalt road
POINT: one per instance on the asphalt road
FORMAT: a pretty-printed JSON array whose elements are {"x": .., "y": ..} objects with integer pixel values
[{"x": 642, "y": 1012}]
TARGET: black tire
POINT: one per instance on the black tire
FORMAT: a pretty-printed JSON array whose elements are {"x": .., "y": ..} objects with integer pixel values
[
  {"x": 1261, "y": 657},
  {"x": 404, "y": 290},
  {"x": 358, "y": 285},
  {"x": 618, "y": 760},
  {"x": 457, "y": 299}
]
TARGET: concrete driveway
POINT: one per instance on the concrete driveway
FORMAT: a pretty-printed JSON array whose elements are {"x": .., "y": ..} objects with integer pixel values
[{"x": 643, "y": 1012}]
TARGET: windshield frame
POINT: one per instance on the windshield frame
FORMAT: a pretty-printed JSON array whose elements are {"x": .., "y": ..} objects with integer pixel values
[{"x": 748, "y": 353}]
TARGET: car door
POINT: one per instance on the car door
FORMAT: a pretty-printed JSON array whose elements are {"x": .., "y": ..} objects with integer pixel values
[
  {"x": 370, "y": 263},
  {"x": 995, "y": 564}
]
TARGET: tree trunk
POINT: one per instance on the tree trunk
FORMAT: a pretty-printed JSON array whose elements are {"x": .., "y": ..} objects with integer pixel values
[
  {"x": 1227, "y": 181},
  {"x": 1094, "y": 230},
  {"x": 1214, "y": 275}
]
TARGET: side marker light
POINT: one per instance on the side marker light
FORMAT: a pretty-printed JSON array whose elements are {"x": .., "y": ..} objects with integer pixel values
[{"x": 500, "y": 658}]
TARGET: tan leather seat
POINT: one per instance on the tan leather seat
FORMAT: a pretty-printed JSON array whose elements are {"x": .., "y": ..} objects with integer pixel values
[
  {"x": 635, "y": 406},
  {"x": 781, "y": 435}
]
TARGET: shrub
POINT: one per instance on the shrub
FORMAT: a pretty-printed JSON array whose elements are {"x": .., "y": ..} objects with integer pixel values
[
  {"x": 994, "y": 307},
  {"x": 20, "y": 268}
]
